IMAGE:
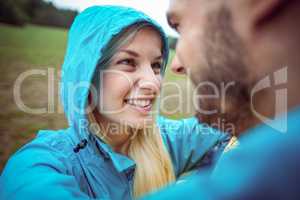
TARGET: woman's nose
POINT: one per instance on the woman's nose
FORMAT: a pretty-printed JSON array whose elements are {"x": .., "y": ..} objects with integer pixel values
[
  {"x": 176, "y": 66},
  {"x": 150, "y": 81}
]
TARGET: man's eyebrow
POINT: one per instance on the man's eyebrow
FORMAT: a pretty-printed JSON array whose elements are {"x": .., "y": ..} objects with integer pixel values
[
  {"x": 159, "y": 57},
  {"x": 130, "y": 52},
  {"x": 170, "y": 16}
]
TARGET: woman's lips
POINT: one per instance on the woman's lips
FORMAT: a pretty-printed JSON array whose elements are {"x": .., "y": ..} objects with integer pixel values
[{"x": 141, "y": 105}]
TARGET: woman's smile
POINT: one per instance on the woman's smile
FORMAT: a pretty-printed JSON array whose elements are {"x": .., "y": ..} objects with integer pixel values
[{"x": 142, "y": 105}]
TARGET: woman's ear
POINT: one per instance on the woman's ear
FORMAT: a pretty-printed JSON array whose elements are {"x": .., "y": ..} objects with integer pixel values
[{"x": 92, "y": 101}]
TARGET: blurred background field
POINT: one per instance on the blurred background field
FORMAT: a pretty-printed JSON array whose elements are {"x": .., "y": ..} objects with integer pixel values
[{"x": 39, "y": 47}]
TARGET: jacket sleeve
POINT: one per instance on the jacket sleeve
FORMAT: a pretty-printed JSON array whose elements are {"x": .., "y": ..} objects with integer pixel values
[
  {"x": 191, "y": 144},
  {"x": 37, "y": 171}
]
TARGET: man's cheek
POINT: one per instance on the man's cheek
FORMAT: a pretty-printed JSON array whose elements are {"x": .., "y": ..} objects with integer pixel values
[
  {"x": 186, "y": 47},
  {"x": 193, "y": 49}
]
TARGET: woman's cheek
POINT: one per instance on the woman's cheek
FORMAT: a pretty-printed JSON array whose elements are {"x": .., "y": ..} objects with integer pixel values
[{"x": 117, "y": 85}]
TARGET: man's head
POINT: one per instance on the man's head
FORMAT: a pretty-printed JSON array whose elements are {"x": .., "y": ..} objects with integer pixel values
[{"x": 228, "y": 46}]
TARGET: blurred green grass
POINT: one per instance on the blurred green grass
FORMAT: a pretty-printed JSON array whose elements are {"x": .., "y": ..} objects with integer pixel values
[
  {"x": 33, "y": 44},
  {"x": 36, "y": 47}
]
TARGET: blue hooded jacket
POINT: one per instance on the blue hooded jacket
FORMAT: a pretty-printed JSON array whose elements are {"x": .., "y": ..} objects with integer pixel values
[{"x": 74, "y": 164}]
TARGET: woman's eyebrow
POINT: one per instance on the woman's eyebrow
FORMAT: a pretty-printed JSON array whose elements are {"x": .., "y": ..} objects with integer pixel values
[
  {"x": 130, "y": 52},
  {"x": 135, "y": 54}
]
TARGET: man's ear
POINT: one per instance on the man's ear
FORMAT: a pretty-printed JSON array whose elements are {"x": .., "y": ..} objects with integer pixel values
[{"x": 263, "y": 10}]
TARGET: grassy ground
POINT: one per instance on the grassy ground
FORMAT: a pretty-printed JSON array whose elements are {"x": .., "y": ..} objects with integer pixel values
[{"x": 34, "y": 47}]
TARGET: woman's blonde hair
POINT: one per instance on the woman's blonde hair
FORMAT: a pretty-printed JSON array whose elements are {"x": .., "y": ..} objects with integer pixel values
[{"x": 154, "y": 168}]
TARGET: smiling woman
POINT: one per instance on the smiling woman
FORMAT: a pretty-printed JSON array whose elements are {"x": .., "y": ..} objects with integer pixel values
[
  {"x": 116, "y": 146},
  {"x": 128, "y": 80}
]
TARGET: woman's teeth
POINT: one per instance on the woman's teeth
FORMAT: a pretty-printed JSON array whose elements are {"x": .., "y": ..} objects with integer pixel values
[{"x": 140, "y": 103}]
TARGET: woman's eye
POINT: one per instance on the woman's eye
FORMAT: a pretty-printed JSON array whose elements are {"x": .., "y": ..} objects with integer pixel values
[
  {"x": 126, "y": 62},
  {"x": 157, "y": 67}
]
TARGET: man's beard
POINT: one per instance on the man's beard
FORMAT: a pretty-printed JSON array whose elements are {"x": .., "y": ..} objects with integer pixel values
[{"x": 225, "y": 56}]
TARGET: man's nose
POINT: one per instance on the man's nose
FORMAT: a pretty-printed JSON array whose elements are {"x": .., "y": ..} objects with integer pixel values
[{"x": 176, "y": 66}]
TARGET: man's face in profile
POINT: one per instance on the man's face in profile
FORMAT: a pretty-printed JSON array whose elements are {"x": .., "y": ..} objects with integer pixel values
[{"x": 212, "y": 52}]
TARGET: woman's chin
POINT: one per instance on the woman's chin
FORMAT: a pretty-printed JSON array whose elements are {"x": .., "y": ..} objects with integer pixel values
[{"x": 140, "y": 123}]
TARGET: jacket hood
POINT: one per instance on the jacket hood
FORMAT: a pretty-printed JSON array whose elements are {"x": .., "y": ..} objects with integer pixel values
[{"x": 90, "y": 32}]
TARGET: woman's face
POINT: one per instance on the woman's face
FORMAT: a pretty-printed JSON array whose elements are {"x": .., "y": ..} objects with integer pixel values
[{"x": 131, "y": 83}]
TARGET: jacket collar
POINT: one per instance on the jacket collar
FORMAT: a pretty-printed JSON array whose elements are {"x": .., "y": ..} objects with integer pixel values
[{"x": 121, "y": 162}]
